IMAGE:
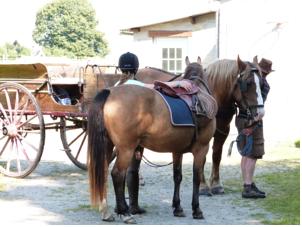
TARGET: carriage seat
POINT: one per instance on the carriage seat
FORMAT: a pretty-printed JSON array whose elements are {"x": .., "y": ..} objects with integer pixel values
[{"x": 65, "y": 80}]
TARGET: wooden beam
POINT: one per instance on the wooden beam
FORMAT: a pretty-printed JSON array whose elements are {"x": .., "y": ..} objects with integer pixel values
[{"x": 167, "y": 33}]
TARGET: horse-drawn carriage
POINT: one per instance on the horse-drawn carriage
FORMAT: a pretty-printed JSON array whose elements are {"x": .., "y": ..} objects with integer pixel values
[{"x": 33, "y": 101}]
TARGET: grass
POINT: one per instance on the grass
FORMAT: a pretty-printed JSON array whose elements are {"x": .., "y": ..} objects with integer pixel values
[
  {"x": 280, "y": 178},
  {"x": 283, "y": 199},
  {"x": 283, "y": 196}
]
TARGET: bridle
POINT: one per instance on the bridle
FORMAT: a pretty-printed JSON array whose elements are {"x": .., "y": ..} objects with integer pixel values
[{"x": 247, "y": 113}]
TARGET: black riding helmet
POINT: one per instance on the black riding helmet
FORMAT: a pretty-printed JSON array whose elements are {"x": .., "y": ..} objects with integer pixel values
[{"x": 128, "y": 63}]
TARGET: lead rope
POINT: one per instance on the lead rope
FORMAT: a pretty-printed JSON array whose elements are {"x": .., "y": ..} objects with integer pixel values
[
  {"x": 151, "y": 164},
  {"x": 248, "y": 133}
]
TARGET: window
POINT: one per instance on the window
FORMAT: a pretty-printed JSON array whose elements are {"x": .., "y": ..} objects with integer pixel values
[{"x": 172, "y": 60}]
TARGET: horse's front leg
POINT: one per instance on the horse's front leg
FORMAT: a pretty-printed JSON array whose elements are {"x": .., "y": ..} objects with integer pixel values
[
  {"x": 177, "y": 176},
  {"x": 133, "y": 182},
  {"x": 199, "y": 159},
  {"x": 221, "y": 134}
]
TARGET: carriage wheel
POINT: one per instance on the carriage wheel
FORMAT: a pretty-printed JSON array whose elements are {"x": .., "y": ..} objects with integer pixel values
[
  {"x": 22, "y": 131},
  {"x": 74, "y": 139}
]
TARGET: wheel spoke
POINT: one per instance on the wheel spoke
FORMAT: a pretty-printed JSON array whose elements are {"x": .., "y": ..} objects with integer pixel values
[
  {"x": 9, "y": 157},
  {"x": 24, "y": 151},
  {"x": 76, "y": 138},
  {"x": 80, "y": 148},
  {"x": 27, "y": 142},
  {"x": 4, "y": 114},
  {"x": 23, "y": 110},
  {"x": 9, "y": 106},
  {"x": 28, "y": 120},
  {"x": 17, "y": 155},
  {"x": 16, "y": 105},
  {"x": 3, "y": 148}
]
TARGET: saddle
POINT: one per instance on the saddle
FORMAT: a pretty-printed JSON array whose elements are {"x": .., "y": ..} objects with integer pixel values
[{"x": 198, "y": 101}]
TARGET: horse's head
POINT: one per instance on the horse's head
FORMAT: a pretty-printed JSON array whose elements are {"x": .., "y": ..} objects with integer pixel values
[
  {"x": 193, "y": 70},
  {"x": 247, "y": 93}
]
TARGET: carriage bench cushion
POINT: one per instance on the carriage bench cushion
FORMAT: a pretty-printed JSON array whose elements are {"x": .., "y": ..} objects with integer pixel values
[{"x": 180, "y": 113}]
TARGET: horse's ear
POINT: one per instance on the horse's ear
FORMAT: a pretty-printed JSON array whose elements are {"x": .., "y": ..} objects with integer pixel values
[
  {"x": 255, "y": 60},
  {"x": 241, "y": 64},
  {"x": 199, "y": 60},
  {"x": 187, "y": 61}
]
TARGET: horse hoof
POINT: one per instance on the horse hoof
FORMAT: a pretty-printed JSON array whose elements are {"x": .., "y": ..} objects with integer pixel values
[
  {"x": 205, "y": 191},
  {"x": 137, "y": 210},
  {"x": 197, "y": 214},
  {"x": 219, "y": 190},
  {"x": 179, "y": 213},
  {"x": 108, "y": 218},
  {"x": 128, "y": 219}
]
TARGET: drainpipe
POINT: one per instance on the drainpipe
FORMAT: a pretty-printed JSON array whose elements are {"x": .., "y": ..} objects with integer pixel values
[{"x": 218, "y": 33}]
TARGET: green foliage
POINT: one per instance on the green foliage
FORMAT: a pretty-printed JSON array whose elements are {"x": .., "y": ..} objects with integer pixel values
[
  {"x": 14, "y": 50},
  {"x": 284, "y": 197},
  {"x": 68, "y": 27},
  {"x": 297, "y": 143}
]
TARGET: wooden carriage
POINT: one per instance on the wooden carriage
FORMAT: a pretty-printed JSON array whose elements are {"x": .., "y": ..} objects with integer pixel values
[{"x": 32, "y": 101}]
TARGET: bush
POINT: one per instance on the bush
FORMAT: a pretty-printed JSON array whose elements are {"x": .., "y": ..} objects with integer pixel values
[{"x": 297, "y": 143}]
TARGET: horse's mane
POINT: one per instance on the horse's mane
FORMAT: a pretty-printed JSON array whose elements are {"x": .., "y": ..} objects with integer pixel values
[{"x": 223, "y": 74}]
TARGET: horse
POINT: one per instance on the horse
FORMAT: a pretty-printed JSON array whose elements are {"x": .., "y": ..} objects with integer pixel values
[
  {"x": 226, "y": 78},
  {"x": 128, "y": 116}
]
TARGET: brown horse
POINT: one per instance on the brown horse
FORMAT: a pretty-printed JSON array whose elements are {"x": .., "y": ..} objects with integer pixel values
[
  {"x": 233, "y": 83},
  {"x": 128, "y": 116},
  {"x": 224, "y": 82}
]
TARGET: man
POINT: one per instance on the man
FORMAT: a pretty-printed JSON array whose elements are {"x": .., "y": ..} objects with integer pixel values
[{"x": 248, "y": 161}]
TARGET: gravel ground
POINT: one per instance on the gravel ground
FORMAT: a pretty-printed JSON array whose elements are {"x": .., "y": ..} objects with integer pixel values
[{"x": 57, "y": 193}]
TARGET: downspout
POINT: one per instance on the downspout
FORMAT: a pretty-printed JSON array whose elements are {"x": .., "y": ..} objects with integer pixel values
[{"x": 218, "y": 33}]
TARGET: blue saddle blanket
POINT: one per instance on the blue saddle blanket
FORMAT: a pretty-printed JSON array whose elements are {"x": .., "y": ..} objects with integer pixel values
[{"x": 180, "y": 113}]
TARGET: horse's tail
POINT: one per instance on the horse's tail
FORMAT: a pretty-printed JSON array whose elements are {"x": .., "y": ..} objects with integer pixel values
[{"x": 97, "y": 148}]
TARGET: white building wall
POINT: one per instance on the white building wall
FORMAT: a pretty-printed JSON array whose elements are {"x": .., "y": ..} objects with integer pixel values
[
  {"x": 202, "y": 43},
  {"x": 269, "y": 29}
]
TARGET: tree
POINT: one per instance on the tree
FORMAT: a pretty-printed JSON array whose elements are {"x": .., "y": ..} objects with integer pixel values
[
  {"x": 14, "y": 50},
  {"x": 68, "y": 27}
]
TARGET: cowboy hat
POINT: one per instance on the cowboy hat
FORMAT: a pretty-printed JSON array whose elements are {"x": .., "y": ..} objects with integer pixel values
[{"x": 266, "y": 65}]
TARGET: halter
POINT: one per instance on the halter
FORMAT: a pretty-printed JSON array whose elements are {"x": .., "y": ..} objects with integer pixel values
[{"x": 247, "y": 113}]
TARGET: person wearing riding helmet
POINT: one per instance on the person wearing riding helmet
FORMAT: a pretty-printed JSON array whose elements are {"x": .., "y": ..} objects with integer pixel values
[
  {"x": 255, "y": 140},
  {"x": 129, "y": 64}
]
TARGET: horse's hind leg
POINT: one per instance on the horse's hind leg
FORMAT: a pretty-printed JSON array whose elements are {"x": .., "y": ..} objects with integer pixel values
[
  {"x": 223, "y": 126},
  {"x": 133, "y": 182},
  {"x": 203, "y": 188},
  {"x": 199, "y": 158},
  {"x": 177, "y": 175},
  {"x": 118, "y": 174}
]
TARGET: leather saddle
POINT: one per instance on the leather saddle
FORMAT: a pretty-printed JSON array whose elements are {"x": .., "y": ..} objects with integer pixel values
[
  {"x": 177, "y": 92},
  {"x": 201, "y": 103}
]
